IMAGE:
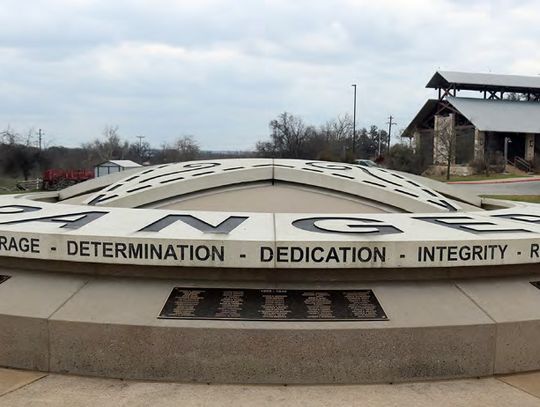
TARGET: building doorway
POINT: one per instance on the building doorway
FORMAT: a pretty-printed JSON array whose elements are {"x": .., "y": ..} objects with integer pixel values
[{"x": 516, "y": 146}]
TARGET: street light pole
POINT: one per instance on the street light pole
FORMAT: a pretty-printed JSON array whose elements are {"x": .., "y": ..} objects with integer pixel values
[
  {"x": 506, "y": 141},
  {"x": 354, "y": 124}
]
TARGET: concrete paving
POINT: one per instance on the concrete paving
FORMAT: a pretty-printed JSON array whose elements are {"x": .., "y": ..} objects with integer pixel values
[
  {"x": 11, "y": 380},
  {"x": 73, "y": 391},
  {"x": 528, "y": 382}
]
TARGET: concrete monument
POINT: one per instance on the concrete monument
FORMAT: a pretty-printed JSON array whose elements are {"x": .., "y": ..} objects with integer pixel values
[{"x": 268, "y": 271}]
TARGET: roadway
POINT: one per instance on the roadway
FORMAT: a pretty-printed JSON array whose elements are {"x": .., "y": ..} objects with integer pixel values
[{"x": 502, "y": 188}]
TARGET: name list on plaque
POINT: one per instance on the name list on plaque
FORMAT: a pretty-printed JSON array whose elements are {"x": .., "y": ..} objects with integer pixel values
[{"x": 272, "y": 305}]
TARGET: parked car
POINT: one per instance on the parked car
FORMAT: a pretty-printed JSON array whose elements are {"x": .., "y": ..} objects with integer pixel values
[{"x": 366, "y": 163}]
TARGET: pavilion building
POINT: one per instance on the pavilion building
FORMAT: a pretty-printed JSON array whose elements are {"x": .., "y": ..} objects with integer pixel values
[{"x": 483, "y": 112}]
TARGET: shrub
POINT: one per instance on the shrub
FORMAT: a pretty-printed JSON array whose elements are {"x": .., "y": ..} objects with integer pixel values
[
  {"x": 491, "y": 163},
  {"x": 404, "y": 158},
  {"x": 536, "y": 164}
]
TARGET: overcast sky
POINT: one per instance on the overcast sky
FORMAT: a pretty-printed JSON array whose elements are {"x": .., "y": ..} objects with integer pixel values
[{"x": 221, "y": 70}]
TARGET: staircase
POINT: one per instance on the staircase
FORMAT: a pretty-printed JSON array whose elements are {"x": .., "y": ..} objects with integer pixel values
[{"x": 519, "y": 166}]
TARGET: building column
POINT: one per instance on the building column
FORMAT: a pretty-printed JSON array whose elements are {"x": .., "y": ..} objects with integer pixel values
[
  {"x": 416, "y": 141},
  {"x": 436, "y": 142},
  {"x": 479, "y": 144},
  {"x": 529, "y": 147},
  {"x": 444, "y": 127}
]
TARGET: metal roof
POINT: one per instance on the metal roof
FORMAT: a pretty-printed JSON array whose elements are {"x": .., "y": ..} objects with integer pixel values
[
  {"x": 499, "y": 115},
  {"x": 121, "y": 163},
  {"x": 424, "y": 112},
  {"x": 484, "y": 81},
  {"x": 487, "y": 115}
]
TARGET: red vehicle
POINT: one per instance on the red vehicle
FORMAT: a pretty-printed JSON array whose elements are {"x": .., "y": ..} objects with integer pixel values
[{"x": 55, "y": 179}]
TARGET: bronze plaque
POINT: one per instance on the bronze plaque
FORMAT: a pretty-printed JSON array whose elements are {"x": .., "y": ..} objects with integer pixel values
[
  {"x": 4, "y": 278},
  {"x": 272, "y": 304}
]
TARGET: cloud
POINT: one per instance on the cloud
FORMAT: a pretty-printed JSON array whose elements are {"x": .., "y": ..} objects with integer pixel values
[{"x": 221, "y": 70}]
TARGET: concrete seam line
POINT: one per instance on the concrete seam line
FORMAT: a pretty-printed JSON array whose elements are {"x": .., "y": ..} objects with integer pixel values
[
  {"x": 52, "y": 314},
  {"x": 516, "y": 387},
  {"x": 69, "y": 298},
  {"x": 492, "y": 320},
  {"x": 273, "y": 171},
  {"x": 24, "y": 385},
  {"x": 275, "y": 238},
  {"x": 274, "y": 214},
  {"x": 474, "y": 302}
]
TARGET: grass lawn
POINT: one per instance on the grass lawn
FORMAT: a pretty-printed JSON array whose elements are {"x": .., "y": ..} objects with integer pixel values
[
  {"x": 523, "y": 198},
  {"x": 4, "y": 192},
  {"x": 9, "y": 186},
  {"x": 478, "y": 177}
]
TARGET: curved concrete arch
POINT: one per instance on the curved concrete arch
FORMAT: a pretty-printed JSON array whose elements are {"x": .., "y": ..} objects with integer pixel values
[
  {"x": 430, "y": 237},
  {"x": 167, "y": 181}
]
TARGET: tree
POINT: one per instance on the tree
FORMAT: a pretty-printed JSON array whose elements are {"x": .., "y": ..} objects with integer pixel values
[
  {"x": 187, "y": 147},
  {"x": 368, "y": 142},
  {"x": 334, "y": 140},
  {"x": 288, "y": 137},
  {"x": 140, "y": 152},
  {"x": 444, "y": 142},
  {"x": 184, "y": 148},
  {"x": 18, "y": 154},
  {"x": 9, "y": 136},
  {"x": 29, "y": 138},
  {"x": 265, "y": 149},
  {"x": 109, "y": 147},
  {"x": 19, "y": 160}
]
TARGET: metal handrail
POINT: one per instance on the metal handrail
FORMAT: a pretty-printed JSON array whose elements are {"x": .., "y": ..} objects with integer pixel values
[
  {"x": 29, "y": 185},
  {"x": 522, "y": 164}
]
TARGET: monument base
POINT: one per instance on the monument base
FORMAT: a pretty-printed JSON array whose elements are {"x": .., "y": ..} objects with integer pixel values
[{"x": 109, "y": 326}]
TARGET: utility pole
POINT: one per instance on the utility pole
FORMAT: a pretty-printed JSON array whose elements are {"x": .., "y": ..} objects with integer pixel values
[
  {"x": 390, "y": 123},
  {"x": 354, "y": 124},
  {"x": 40, "y": 135},
  {"x": 140, "y": 148}
]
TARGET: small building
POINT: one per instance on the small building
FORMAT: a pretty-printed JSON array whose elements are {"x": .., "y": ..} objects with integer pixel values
[
  {"x": 491, "y": 114},
  {"x": 112, "y": 166}
]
